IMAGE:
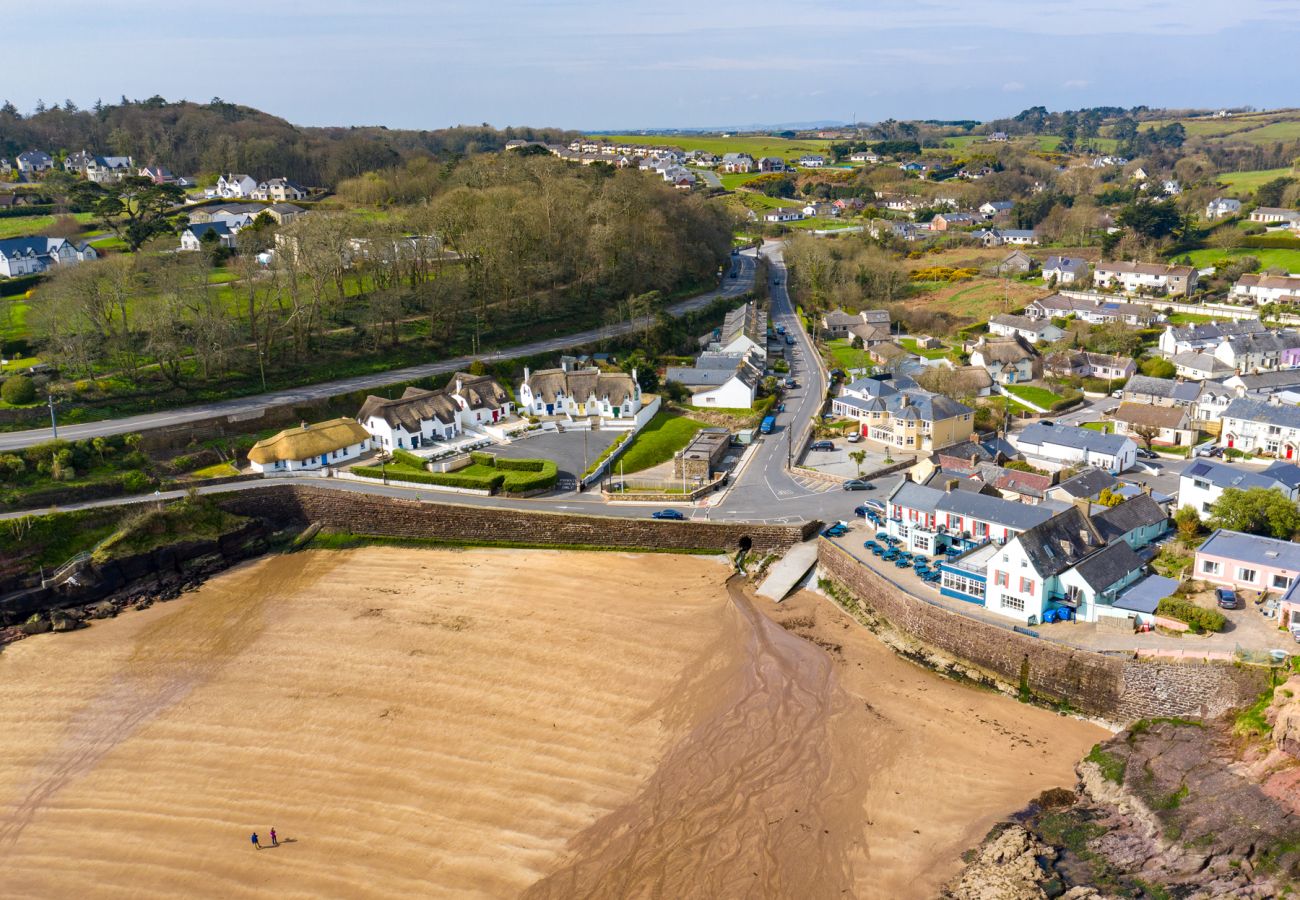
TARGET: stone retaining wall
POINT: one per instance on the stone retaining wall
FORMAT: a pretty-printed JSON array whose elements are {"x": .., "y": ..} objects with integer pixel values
[
  {"x": 391, "y": 517},
  {"x": 1116, "y": 687}
]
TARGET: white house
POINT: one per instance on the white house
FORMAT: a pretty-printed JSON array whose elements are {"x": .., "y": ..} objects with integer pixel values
[
  {"x": 1257, "y": 352},
  {"x": 1203, "y": 482},
  {"x": 308, "y": 447},
  {"x": 995, "y": 208},
  {"x": 1065, "y": 269},
  {"x": 109, "y": 169},
  {"x": 1057, "y": 446},
  {"x": 737, "y": 162},
  {"x": 193, "y": 236},
  {"x": 785, "y": 214},
  {"x": 1261, "y": 426},
  {"x": 1222, "y": 208},
  {"x": 1269, "y": 215},
  {"x": 743, "y": 331},
  {"x": 1009, "y": 360},
  {"x": 1032, "y": 330},
  {"x": 721, "y": 380},
  {"x": 1151, "y": 277},
  {"x": 1268, "y": 288},
  {"x": 421, "y": 417},
  {"x": 1178, "y": 339},
  {"x": 30, "y": 255},
  {"x": 33, "y": 162},
  {"x": 235, "y": 186},
  {"x": 278, "y": 190},
  {"x": 579, "y": 392},
  {"x": 812, "y": 161}
]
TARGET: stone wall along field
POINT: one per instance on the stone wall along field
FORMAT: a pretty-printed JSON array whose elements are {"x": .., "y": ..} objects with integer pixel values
[{"x": 1118, "y": 687}]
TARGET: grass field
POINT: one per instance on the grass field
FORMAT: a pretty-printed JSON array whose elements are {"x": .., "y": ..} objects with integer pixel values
[
  {"x": 1248, "y": 181},
  {"x": 1253, "y": 128},
  {"x": 755, "y": 145},
  {"x": 1103, "y": 427},
  {"x": 1189, "y": 319},
  {"x": 22, "y": 226},
  {"x": 910, "y": 345},
  {"x": 845, "y": 357},
  {"x": 662, "y": 437},
  {"x": 979, "y": 298},
  {"x": 220, "y": 470},
  {"x": 1033, "y": 394},
  {"x": 733, "y": 180},
  {"x": 1269, "y": 257},
  {"x": 756, "y": 201}
]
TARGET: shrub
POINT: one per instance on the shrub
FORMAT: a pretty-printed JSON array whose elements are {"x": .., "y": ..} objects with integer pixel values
[
  {"x": 11, "y": 466},
  {"x": 18, "y": 390},
  {"x": 407, "y": 458},
  {"x": 136, "y": 482},
  {"x": 445, "y": 479},
  {"x": 521, "y": 465},
  {"x": 1197, "y": 618}
]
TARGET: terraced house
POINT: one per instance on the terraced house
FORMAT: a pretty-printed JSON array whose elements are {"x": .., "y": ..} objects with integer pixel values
[
  {"x": 579, "y": 392},
  {"x": 1151, "y": 278},
  {"x": 420, "y": 417},
  {"x": 30, "y": 255},
  {"x": 903, "y": 415},
  {"x": 1261, "y": 426}
]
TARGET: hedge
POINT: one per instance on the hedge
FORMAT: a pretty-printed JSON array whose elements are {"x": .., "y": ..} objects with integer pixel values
[
  {"x": 445, "y": 479},
  {"x": 521, "y": 481},
  {"x": 522, "y": 465},
  {"x": 407, "y": 458},
  {"x": 19, "y": 212},
  {"x": 1198, "y": 618},
  {"x": 1271, "y": 241},
  {"x": 12, "y": 287}
]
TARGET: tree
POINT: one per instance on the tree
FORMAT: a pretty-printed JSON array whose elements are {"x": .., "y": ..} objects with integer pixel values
[
  {"x": 1270, "y": 192},
  {"x": 135, "y": 209},
  {"x": 1151, "y": 220},
  {"x": 1107, "y": 497},
  {"x": 1262, "y": 511},
  {"x": 1188, "y": 522},
  {"x": 18, "y": 390},
  {"x": 858, "y": 457},
  {"x": 1157, "y": 367},
  {"x": 1145, "y": 433}
]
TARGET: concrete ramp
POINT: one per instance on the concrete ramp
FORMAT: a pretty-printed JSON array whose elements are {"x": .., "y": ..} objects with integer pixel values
[{"x": 788, "y": 571}]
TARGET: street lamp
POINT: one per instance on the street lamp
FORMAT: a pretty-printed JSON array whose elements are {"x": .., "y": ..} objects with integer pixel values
[
  {"x": 261, "y": 368},
  {"x": 54, "y": 419}
]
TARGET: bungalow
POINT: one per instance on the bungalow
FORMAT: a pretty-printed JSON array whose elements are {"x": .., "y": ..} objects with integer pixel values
[
  {"x": 219, "y": 233},
  {"x": 1065, "y": 269},
  {"x": 784, "y": 214},
  {"x": 848, "y": 204},
  {"x": 737, "y": 162},
  {"x": 1222, "y": 208},
  {"x": 1238, "y": 560},
  {"x": 812, "y": 161},
  {"x": 944, "y": 221},
  {"x": 34, "y": 162},
  {"x": 278, "y": 190},
  {"x": 1033, "y": 330},
  {"x": 864, "y": 156},
  {"x": 870, "y": 334},
  {"x": 722, "y": 380},
  {"x": 1261, "y": 426},
  {"x": 1203, "y": 482},
  {"x": 420, "y": 417},
  {"x": 995, "y": 208},
  {"x": 579, "y": 392},
  {"x": 1151, "y": 277},
  {"x": 1169, "y": 426},
  {"x": 310, "y": 447},
  {"x": 1017, "y": 262},
  {"x": 1055, "y": 446},
  {"x": 1199, "y": 365},
  {"x": 1148, "y": 391},
  {"x": 998, "y": 137},
  {"x": 1009, "y": 360},
  {"x": 31, "y": 255},
  {"x": 1268, "y": 288},
  {"x": 1269, "y": 215}
]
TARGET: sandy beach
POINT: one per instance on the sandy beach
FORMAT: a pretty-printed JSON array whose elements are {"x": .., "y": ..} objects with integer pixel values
[{"x": 495, "y": 723}]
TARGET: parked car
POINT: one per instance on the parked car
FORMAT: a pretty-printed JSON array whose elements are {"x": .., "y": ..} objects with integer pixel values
[
  {"x": 822, "y": 445},
  {"x": 791, "y": 383},
  {"x": 1216, "y": 452},
  {"x": 854, "y": 438},
  {"x": 1147, "y": 454},
  {"x": 671, "y": 514},
  {"x": 1226, "y": 597},
  {"x": 867, "y": 506},
  {"x": 857, "y": 484}
]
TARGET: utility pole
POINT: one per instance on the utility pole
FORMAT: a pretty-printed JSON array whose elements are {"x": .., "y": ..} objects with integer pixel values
[
  {"x": 54, "y": 419},
  {"x": 261, "y": 367}
]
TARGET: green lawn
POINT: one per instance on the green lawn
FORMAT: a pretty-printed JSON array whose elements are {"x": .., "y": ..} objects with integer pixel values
[
  {"x": 824, "y": 224},
  {"x": 1248, "y": 181},
  {"x": 659, "y": 441},
  {"x": 22, "y": 226},
  {"x": 220, "y": 470},
  {"x": 1033, "y": 394},
  {"x": 1268, "y": 257},
  {"x": 1103, "y": 427},
  {"x": 733, "y": 180},
  {"x": 760, "y": 202},
  {"x": 845, "y": 357},
  {"x": 755, "y": 145},
  {"x": 910, "y": 344},
  {"x": 1189, "y": 319}
]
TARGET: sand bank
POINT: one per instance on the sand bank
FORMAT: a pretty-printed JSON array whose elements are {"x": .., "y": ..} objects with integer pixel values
[{"x": 495, "y": 723}]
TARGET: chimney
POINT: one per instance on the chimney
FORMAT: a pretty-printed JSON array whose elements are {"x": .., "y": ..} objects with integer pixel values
[
  {"x": 1146, "y": 489},
  {"x": 951, "y": 485},
  {"x": 525, "y": 374},
  {"x": 1083, "y": 505},
  {"x": 974, "y": 460}
]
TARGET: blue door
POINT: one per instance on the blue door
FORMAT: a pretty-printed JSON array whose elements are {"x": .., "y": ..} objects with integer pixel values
[{"x": 324, "y": 459}]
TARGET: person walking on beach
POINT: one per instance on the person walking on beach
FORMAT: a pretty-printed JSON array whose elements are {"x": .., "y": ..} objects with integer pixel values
[
  {"x": 255, "y": 841},
  {"x": 274, "y": 842}
]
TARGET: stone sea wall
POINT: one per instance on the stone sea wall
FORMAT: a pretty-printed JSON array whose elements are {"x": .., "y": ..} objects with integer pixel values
[{"x": 1116, "y": 687}]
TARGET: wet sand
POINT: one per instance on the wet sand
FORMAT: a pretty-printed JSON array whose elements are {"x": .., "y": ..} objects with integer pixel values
[{"x": 496, "y": 723}]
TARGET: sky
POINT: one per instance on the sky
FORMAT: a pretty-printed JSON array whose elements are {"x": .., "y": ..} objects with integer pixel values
[{"x": 588, "y": 64}]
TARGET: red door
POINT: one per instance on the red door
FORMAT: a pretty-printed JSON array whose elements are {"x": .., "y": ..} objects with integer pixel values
[{"x": 1289, "y": 451}]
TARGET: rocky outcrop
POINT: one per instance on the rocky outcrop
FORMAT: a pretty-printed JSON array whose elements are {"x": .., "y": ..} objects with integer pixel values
[
  {"x": 1284, "y": 715},
  {"x": 1172, "y": 808}
]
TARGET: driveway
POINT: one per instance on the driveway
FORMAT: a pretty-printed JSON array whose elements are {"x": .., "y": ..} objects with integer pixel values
[{"x": 568, "y": 449}]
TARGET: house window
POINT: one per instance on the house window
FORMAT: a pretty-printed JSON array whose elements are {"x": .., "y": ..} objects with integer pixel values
[
  {"x": 1246, "y": 575},
  {"x": 1209, "y": 567},
  {"x": 921, "y": 542},
  {"x": 971, "y": 587},
  {"x": 1207, "y": 507},
  {"x": 1026, "y": 586},
  {"x": 1281, "y": 581},
  {"x": 1201, "y": 484},
  {"x": 1002, "y": 579},
  {"x": 1016, "y": 603}
]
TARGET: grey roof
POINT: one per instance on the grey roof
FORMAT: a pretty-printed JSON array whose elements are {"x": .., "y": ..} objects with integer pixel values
[
  {"x": 1108, "y": 566},
  {"x": 1143, "y": 596},
  {"x": 1252, "y": 548},
  {"x": 1166, "y": 388},
  {"x": 1267, "y": 342},
  {"x": 29, "y": 246},
  {"x": 1263, "y": 411},
  {"x": 1071, "y": 436},
  {"x": 198, "y": 229},
  {"x": 1088, "y": 483},
  {"x": 699, "y": 377},
  {"x": 1217, "y": 330},
  {"x": 1066, "y": 263},
  {"x": 1137, "y": 512},
  {"x": 1059, "y": 542},
  {"x": 993, "y": 509},
  {"x": 1262, "y": 381},
  {"x": 1198, "y": 361},
  {"x": 1022, "y": 323},
  {"x": 1281, "y": 474},
  {"x": 915, "y": 496},
  {"x": 1000, "y": 204},
  {"x": 840, "y": 317}
]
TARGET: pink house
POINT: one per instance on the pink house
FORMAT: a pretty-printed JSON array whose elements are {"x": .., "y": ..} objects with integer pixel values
[
  {"x": 1290, "y": 358},
  {"x": 1249, "y": 562}
]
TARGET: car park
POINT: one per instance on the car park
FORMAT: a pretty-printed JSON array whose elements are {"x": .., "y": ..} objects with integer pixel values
[
  {"x": 670, "y": 514},
  {"x": 822, "y": 445},
  {"x": 857, "y": 484},
  {"x": 1226, "y": 598}
]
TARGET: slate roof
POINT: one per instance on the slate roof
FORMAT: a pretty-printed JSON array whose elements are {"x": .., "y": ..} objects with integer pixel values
[
  {"x": 1144, "y": 595},
  {"x": 198, "y": 229},
  {"x": 1039, "y": 434},
  {"x": 1198, "y": 361},
  {"x": 992, "y": 509},
  {"x": 1252, "y": 548},
  {"x": 1066, "y": 264},
  {"x": 1222, "y": 475},
  {"x": 837, "y": 317},
  {"x": 1262, "y": 411},
  {"x": 1021, "y": 323},
  {"x": 1088, "y": 483},
  {"x": 1060, "y": 542},
  {"x": 915, "y": 496},
  {"x": 1263, "y": 381},
  {"x": 1143, "y": 415},
  {"x": 1141, "y": 268},
  {"x": 1217, "y": 330},
  {"x": 30, "y": 246},
  {"x": 1165, "y": 388},
  {"x": 1109, "y": 565},
  {"x": 1137, "y": 512}
]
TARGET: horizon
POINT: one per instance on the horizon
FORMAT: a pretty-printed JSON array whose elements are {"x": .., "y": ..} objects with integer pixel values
[{"x": 583, "y": 66}]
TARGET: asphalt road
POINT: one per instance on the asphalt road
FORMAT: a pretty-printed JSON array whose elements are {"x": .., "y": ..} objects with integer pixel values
[{"x": 251, "y": 407}]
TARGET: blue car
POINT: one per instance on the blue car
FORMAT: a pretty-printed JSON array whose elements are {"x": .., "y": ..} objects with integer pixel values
[{"x": 671, "y": 514}]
